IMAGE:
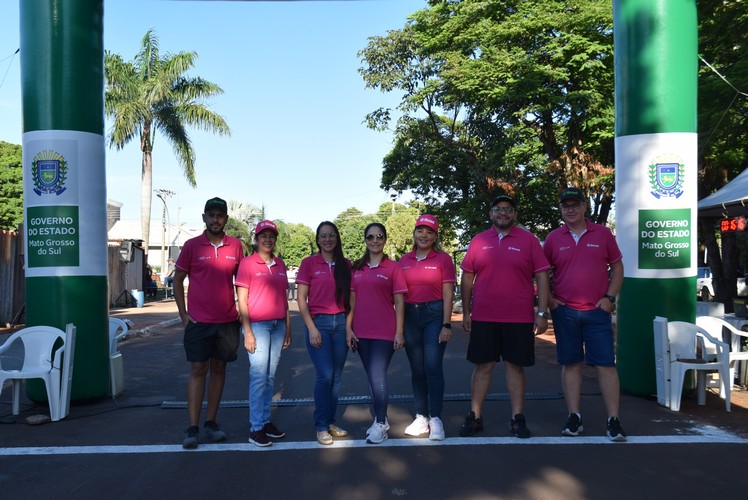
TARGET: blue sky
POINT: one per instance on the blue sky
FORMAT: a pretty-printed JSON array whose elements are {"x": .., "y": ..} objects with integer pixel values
[{"x": 293, "y": 99}]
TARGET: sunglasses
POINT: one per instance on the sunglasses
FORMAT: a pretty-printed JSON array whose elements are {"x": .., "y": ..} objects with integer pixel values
[{"x": 371, "y": 237}]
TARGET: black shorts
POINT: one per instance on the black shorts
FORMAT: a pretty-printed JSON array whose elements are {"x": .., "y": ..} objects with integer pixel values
[
  {"x": 512, "y": 342},
  {"x": 203, "y": 341}
]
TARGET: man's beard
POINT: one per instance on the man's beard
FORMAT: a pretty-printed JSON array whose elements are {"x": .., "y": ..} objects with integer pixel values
[
  {"x": 214, "y": 232},
  {"x": 504, "y": 224}
]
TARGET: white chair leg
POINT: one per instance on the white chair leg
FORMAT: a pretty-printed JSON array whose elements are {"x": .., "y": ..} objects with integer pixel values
[
  {"x": 676, "y": 389},
  {"x": 730, "y": 381},
  {"x": 701, "y": 387},
  {"x": 16, "y": 396},
  {"x": 53, "y": 395},
  {"x": 726, "y": 386}
]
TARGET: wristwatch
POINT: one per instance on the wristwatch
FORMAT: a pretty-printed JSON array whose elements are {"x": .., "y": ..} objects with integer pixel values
[
  {"x": 543, "y": 314},
  {"x": 448, "y": 326},
  {"x": 611, "y": 298}
]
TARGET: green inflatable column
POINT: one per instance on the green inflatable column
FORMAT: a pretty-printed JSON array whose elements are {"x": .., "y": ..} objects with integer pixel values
[
  {"x": 656, "y": 194},
  {"x": 62, "y": 82}
]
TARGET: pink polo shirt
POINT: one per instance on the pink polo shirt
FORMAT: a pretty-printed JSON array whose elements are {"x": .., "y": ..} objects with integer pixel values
[
  {"x": 503, "y": 290},
  {"x": 267, "y": 285},
  {"x": 211, "y": 270},
  {"x": 425, "y": 278},
  {"x": 580, "y": 270},
  {"x": 375, "y": 288},
  {"x": 319, "y": 276}
]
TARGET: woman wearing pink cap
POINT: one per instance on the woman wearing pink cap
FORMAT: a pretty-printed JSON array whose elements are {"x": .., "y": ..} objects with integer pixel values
[
  {"x": 263, "y": 310},
  {"x": 430, "y": 275},
  {"x": 324, "y": 284},
  {"x": 375, "y": 325}
]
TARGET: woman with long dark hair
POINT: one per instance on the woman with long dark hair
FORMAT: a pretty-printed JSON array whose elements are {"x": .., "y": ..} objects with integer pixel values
[
  {"x": 430, "y": 275},
  {"x": 324, "y": 291},
  {"x": 375, "y": 324}
]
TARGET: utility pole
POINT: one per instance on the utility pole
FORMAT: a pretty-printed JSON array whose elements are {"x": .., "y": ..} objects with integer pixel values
[{"x": 163, "y": 194}]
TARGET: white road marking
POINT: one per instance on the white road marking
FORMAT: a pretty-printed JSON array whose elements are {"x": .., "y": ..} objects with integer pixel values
[{"x": 705, "y": 435}]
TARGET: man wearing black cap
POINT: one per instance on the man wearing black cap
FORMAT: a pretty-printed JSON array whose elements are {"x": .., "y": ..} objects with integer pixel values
[
  {"x": 587, "y": 275},
  {"x": 498, "y": 301},
  {"x": 211, "y": 322}
]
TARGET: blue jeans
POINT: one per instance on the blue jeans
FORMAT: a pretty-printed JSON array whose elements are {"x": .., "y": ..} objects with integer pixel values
[
  {"x": 376, "y": 355},
  {"x": 262, "y": 364},
  {"x": 423, "y": 324},
  {"x": 328, "y": 361}
]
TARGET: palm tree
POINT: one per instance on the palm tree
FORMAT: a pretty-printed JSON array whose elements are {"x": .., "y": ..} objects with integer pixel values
[
  {"x": 242, "y": 222},
  {"x": 153, "y": 93}
]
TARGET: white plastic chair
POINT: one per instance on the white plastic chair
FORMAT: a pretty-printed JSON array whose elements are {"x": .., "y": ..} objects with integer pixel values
[
  {"x": 41, "y": 360},
  {"x": 117, "y": 330},
  {"x": 715, "y": 327},
  {"x": 683, "y": 338}
]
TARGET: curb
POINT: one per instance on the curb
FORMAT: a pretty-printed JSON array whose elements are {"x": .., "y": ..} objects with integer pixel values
[{"x": 148, "y": 330}]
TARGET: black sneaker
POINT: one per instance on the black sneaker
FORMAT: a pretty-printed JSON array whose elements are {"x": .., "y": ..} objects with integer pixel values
[
  {"x": 615, "y": 431},
  {"x": 573, "y": 425},
  {"x": 212, "y": 432},
  {"x": 272, "y": 431},
  {"x": 190, "y": 437},
  {"x": 518, "y": 426},
  {"x": 259, "y": 438},
  {"x": 471, "y": 426}
]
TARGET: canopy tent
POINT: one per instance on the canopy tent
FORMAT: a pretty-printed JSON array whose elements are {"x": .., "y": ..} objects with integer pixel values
[{"x": 729, "y": 201}]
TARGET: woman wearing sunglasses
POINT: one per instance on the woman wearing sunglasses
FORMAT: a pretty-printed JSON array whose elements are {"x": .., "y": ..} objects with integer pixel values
[
  {"x": 375, "y": 324},
  {"x": 262, "y": 287},
  {"x": 324, "y": 288},
  {"x": 430, "y": 275}
]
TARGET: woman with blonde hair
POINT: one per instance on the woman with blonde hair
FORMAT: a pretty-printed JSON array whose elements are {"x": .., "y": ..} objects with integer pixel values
[{"x": 430, "y": 275}]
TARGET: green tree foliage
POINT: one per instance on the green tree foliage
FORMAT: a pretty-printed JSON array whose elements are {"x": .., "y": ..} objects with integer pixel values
[
  {"x": 249, "y": 215},
  {"x": 154, "y": 93},
  {"x": 723, "y": 92},
  {"x": 400, "y": 223},
  {"x": 239, "y": 229},
  {"x": 508, "y": 96},
  {"x": 11, "y": 186},
  {"x": 351, "y": 223},
  {"x": 723, "y": 126},
  {"x": 295, "y": 242}
]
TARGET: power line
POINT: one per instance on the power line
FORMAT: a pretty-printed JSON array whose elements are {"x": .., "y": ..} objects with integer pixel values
[
  {"x": 11, "y": 57},
  {"x": 722, "y": 77}
]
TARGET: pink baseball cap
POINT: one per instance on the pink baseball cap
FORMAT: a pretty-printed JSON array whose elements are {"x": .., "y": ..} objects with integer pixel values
[
  {"x": 265, "y": 225},
  {"x": 429, "y": 221}
]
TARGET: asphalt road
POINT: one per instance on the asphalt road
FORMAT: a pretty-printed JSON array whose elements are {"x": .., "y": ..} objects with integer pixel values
[{"x": 131, "y": 447}]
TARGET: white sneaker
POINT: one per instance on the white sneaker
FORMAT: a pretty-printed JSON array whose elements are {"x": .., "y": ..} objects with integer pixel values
[
  {"x": 436, "y": 429},
  {"x": 378, "y": 433},
  {"x": 371, "y": 429},
  {"x": 419, "y": 426}
]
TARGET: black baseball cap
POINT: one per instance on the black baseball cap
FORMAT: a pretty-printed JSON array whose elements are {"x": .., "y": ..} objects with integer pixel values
[
  {"x": 572, "y": 193},
  {"x": 216, "y": 203},
  {"x": 504, "y": 197}
]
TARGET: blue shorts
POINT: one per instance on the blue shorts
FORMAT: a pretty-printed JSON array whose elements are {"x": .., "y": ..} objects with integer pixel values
[{"x": 583, "y": 336}]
